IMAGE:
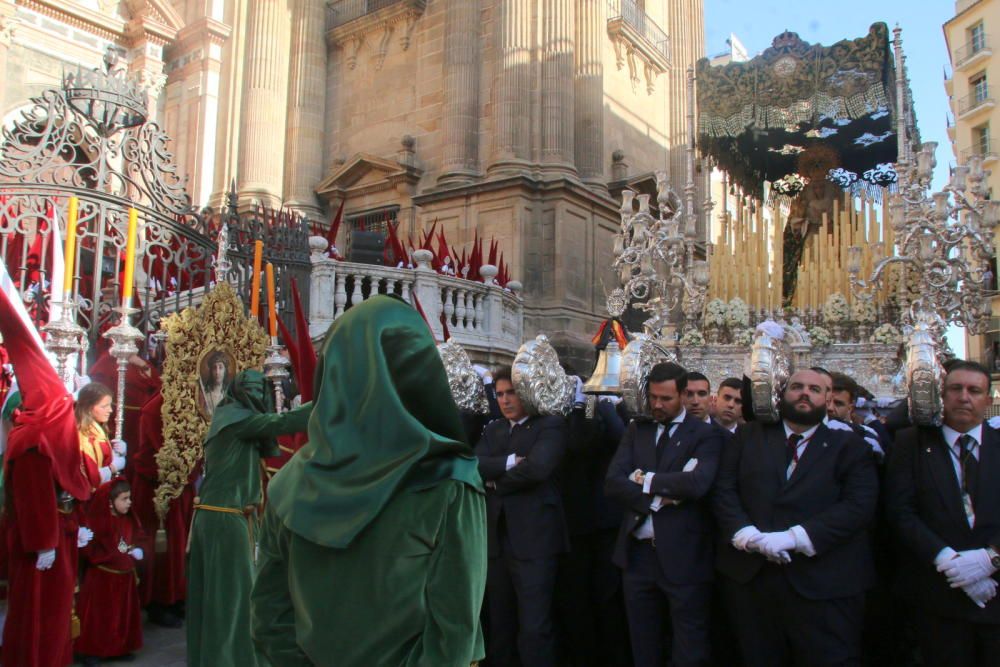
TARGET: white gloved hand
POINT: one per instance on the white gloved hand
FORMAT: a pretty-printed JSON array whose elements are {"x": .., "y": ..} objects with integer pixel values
[
  {"x": 83, "y": 536},
  {"x": 118, "y": 462},
  {"x": 45, "y": 559},
  {"x": 876, "y": 447},
  {"x": 994, "y": 422},
  {"x": 136, "y": 553},
  {"x": 981, "y": 591},
  {"x": 105, "y": 474},
  {"x": 838, "y": 425},
  {"x": 119, "y": 447},
  {"x": 775, "y": 546},
  {"x": 772, "y": 329},
  {"x": 967, "y": 568}
]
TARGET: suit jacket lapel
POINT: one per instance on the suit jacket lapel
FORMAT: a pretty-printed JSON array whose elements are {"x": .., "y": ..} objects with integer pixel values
[
  {"x": 988, "y": 493},
  {"x": 774, "y": 451},
  {"x": 816, "y": 449},
  {"x": 943, "y": 470},
  {"x": 646, "y": 446},
  {"x": 679, "y": 441}
]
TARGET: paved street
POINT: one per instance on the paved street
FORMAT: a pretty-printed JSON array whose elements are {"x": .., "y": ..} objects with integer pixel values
[{"x": 162, "y": 647}]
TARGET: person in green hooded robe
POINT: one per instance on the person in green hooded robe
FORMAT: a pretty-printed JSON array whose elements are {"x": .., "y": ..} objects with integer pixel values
[
  {"x": 373, "y": 545},
  {"x": 220, "y": 563}
]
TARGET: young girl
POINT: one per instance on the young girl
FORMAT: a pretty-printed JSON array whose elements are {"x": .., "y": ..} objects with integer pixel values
[
  {"x": 101, "y": 458},
  {"x": 108, "y": 604}
]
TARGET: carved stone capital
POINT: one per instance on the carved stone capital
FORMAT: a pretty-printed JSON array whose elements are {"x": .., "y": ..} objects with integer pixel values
[{"x": 350, "y": 32}]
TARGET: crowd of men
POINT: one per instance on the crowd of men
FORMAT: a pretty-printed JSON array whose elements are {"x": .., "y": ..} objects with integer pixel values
[{"x": 689, "y": 536}]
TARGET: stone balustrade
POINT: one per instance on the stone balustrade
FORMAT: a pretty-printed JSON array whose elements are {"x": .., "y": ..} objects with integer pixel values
[{"x": 486, "y": 319}]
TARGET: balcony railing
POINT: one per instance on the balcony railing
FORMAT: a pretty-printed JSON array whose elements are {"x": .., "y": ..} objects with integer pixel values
[
  {"x": 987, "y": 152},
  {"x": 971, "y": 49},
  {"x": 633, "y": 15},
  {"x": 487, "y": 320},
  {"x": 976, "y": 99},
  {"x": 339, "y": 12}
]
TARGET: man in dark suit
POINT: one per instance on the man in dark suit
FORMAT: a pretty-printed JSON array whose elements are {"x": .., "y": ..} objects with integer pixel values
[
  {"x": 727, "y": 404},
  {"x": 943, "y": 500},
  {"x": 662, "y": 473},
  {"x": 698, "y": 396},
  {"x": 794, "y": 501},
  {"x": 518, "y": 456}
]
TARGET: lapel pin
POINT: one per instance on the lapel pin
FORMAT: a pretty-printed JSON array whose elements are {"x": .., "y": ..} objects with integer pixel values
[{"x": 928, "y": 450}]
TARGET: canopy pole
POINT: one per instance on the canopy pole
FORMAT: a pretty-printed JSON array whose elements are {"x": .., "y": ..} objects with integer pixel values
[{"x": 902, "y": 145}]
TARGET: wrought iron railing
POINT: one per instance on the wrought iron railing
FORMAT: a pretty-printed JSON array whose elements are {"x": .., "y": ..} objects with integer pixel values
[
  {"x": 975, "y": 99},
  {"x": 971, "y": 48},
  {"x": 339, "y": 12},
  {"x": 632, "y": 14},
  {"x": 985, "y": 151}
]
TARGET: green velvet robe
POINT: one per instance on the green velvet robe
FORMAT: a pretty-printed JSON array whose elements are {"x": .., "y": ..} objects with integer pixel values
[
  {"x": 220, "y": 562},
  {"x": 407, "y": 592}
]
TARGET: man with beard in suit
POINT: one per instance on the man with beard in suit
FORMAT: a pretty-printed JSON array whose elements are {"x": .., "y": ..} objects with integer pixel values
[
  {"x": 943, "y": 500},
  {"x": 662, "y": 473},
  {"x": 518, "y": 458},
  {"x": 794, "y": 501}
]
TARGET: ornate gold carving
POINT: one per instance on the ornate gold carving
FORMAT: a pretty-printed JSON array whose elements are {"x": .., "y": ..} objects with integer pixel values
[{"x": 219, "y": 323}]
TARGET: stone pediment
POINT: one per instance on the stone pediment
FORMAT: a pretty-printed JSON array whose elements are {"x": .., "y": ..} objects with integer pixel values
[{"x": 365, "y": 174}]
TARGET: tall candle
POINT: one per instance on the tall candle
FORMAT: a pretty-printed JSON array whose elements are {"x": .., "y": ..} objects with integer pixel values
[
  {"x": 69, "y": 254},
  {"x": 258, "y": 254},
  {"x": 129, "y": 278},
  {"x": 272, "y": 321}
]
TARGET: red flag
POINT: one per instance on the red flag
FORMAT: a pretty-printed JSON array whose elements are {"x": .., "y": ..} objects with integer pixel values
[
  {"x": 331, "y": 234},
  {"x": 307, "y": 353}
]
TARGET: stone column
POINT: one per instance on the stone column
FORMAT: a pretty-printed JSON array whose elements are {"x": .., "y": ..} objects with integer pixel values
[
  {"x": 512, "y": 119},
  {"x": 557, "y": 87},
  {"x": 7, "y": 26},
  {"x": 460, "y": 121},
  {"x": 306, "y": 107},
  {"x": 588, "y": 93},
  {"x": 260, "y": 170}
]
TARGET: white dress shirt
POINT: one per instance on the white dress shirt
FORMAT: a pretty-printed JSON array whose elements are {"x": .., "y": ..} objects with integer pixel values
[
  {"x": 645, "y": 529},
  {"x": 512, "y": 459}
]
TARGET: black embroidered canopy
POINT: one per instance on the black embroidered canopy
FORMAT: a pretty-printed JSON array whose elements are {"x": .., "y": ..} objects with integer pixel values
[{"x": 801, "y": 109}]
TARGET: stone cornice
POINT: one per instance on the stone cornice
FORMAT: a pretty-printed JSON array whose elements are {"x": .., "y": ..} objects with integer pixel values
[
  {"x": 633, "y": 49},
  {"x": 535, "y": 186},
  {"x": 160, "y": 25},
  {"x": 204, "y": 30},
  {"x": 351, "y": 34}
]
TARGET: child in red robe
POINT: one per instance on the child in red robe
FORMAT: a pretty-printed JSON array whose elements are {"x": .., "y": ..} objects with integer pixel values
[{"x": 108, "y": 604}]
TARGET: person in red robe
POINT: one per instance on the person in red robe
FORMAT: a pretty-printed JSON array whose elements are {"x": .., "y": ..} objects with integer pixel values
[
  {"x": 43, "y": 481},
  {"x": 102, "y": 459},
  {"x": 162, "y": 585},
  {"x": 108, "y": 604}
]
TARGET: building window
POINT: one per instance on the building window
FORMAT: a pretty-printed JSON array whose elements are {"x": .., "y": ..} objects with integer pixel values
[
  {"x": 367, "y": 232},
  {"x": 980, "y": 91},
  {"x": 981, "y": 139},
  {"x": 977, "y": 38}
]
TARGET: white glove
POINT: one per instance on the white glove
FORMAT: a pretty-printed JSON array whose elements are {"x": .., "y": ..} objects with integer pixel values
[
  {"x": 136, "y": 553},
  {"x": 967, "y": 568},
  {"x": 772, "y": 329},
  {"x": 981, "y": 591},
  {"x": 838, "y": 425},
  {"x": 119, "y": 447},
  {"x": 579, "y": 397},
  {"x": 994, "y": 422},
  {"x": 876, "y": 447},
  {"x": 45, "y": 559},
  {"x": 775, "y": 546},
  {"x": 105, "y": 474},
  {"x": 118, "y": 462},
  {"x": 744, "y": 536},
  {"x": 612, "y": 399},
  {"x": 83, "y": 536}
]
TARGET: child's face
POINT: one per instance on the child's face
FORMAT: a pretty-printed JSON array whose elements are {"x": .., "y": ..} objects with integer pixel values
[{"x": 122, "y": 502}]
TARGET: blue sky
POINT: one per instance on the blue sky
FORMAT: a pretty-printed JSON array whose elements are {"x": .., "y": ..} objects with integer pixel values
[{"x": 757, "y": 23}]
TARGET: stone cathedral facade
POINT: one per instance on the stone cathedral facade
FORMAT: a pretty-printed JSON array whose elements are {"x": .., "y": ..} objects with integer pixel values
[{"x": 519, "y": 119}]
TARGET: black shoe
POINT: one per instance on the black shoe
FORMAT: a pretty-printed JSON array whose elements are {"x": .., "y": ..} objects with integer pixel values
[{"x": 163, "y": 617}]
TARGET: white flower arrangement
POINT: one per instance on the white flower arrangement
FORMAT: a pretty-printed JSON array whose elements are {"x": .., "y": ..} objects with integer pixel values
[
  {"x": 715, "y": 313},
  {"x": 820, "y": 337},
  {"x": 743, "y": 337},
  {"x": 886, "y": 334},
  {"x": 836, "y": 310},
  {"x": 863, "y": 311},
  {"x": 738, "y": 314},
  {"x": 693, "y": 338}
]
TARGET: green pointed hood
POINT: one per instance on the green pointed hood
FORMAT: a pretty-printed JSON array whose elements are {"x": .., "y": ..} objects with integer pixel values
[
  {"x": 246, "y": 396},
  {"x": 383, "y": 421}
]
